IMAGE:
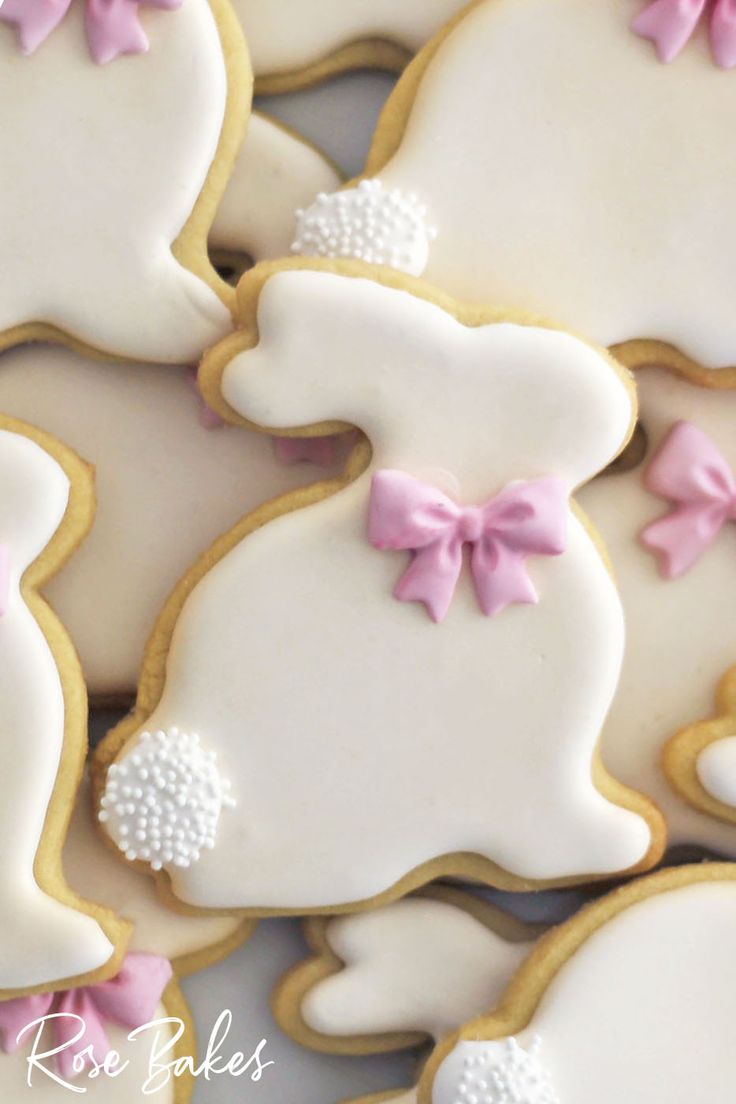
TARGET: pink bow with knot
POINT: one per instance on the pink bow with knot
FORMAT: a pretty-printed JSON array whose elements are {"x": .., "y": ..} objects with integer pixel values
[
  {"x": 670, "y": 24},
  {"x": 524, "y": 519},
  {"x": 112, "y": 26},
  {"x": 692, "y": 473},
  {"x": 130, "y": 1000}
]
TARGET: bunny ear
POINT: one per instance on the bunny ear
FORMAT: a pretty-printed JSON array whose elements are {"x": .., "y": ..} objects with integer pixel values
[{"x": 453, "y": 967}]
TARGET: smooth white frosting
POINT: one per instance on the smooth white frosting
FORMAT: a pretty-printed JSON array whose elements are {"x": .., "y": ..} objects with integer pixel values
[
  {"x": 292, "y": 34},
  {"x": 568, "y": 172},
  {"x": 166, "y": 488},
  {"x": 415, "y": 965},
  {"x": 643, "y": 1010},
  {"x": 274, "y": 175},
  {"x": 309, "y": 712},
  {"x": 716, "y": 767},
  {"x": 43, "y": 940},
  {"x": 99, "y": 178},
  {"x": 679, "y": 633}
]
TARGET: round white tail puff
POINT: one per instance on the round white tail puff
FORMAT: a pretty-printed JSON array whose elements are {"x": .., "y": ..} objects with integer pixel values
[
  {"x": 162, "y": 803},
  {"x": 368, "y": 224},
  {"x": 502, "y": 1072}
]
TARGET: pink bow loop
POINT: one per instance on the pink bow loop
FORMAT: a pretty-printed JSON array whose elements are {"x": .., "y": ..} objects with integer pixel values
[
  {"x": 690, "y": 471},
  {"x": 128, "y": 1000},
  {"x": 407, "y": 514},
  {"x": 113, "y": 26},
  {"x": 670, "y": 24}
]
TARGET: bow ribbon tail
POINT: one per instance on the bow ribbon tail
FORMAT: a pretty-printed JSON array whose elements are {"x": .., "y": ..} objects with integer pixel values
[
  {"x": 114, "y": 28},
  {"x": 669, "y": 24},
  {"x": 432, "y": 577},
  {"x": 129, "y": 1000},
  {"x": 17, "y": 1014},
  {"x": 35, "y": 19},
  {"x": 79, "y": 1003},
  {"x": 683, "y": 536},
  {"x": 500, "y": 576},
  {"x": 723, "y": 33}
]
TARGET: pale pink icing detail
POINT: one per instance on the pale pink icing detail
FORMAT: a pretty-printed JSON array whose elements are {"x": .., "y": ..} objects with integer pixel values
[
  {"x": 671, "y": 23},
  {"x": 4, "y": 578},
  {"x": 407, "y": 514},
  {"x": 690, "y": 471},
  {"x": 129, "y": 1000},
  {"x": 311, "y": 450},
  {"x": 113, "y": 26}
]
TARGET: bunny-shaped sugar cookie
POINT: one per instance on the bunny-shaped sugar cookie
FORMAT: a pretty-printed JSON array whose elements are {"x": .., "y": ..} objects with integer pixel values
[{"x": 460, "y": 746}]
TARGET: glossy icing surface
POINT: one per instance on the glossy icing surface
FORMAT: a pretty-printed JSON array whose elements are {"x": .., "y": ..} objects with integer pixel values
[
  {"x": 654, "y": 984},
  {"x": 679, "y": 633},
  {"x": 275, "y": 174},
  {"x": 416, "y": 965},
  {"x": 599, "y": 216},
  {"x": 166, "y": 487},
  {"x": 43, "y": 940},
  {"x": 287, "y": 35},
  {"x": 99, "y": 180},
  {"x": 298, "y": 763}
]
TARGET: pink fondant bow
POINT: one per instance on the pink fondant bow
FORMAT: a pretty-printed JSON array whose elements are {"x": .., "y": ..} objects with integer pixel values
[
  {"x": 689, "y": 470},
  {"x": 130, "y": 1000},
  {"x": 671, "y": 23},
  {"x": 113, "y": 26},
  {"x": 524, "y": 519}
]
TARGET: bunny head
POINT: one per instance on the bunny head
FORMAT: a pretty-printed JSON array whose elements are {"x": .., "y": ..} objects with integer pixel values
[{"x": 430, "y": 384}]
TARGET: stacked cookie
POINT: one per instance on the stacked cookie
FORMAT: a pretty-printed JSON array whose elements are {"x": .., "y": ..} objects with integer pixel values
[{"x": 483, "y": 635}]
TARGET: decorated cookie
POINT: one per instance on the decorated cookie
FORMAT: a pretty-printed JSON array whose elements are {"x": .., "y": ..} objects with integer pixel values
[
  {"x": 393, "y": 977},
  {"x": 169, "y": 480},
  {"x": 294, "y": 43},
  {"x": 422, "y": 663},
  {"x": 163, "y": 948},
  {"x": 633, "y": 999},
  {"x": 666, "y": 523},
  {"x": 276, "y": 173},
  {"x": 111, "y": 183},
  {"x": 530, "y": 125},
  {"x": 50, "y": 934}
]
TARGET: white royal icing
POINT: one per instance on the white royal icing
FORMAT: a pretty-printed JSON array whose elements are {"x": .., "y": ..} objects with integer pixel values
[
  {"x": 503, "y": 1073},
  {"x": 416, "y": 965},
  {"x": 275, "y": 174},
  {"x": 679, "y": 633},
  {"x": 643, "y": 1011},
  {"x": 332, "y": 712},
  {"x": 559, "y": 162},
  {"x": 44, "y": 941},
  {"x": 99, "y": 179},
  {"x": 716, "y": 768},
  {"x": 166, "y": 487},
  {"x": 288, "y": 35},
  {"x": 368, "y": 224},
  {"x": 163, "y": 803}
]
